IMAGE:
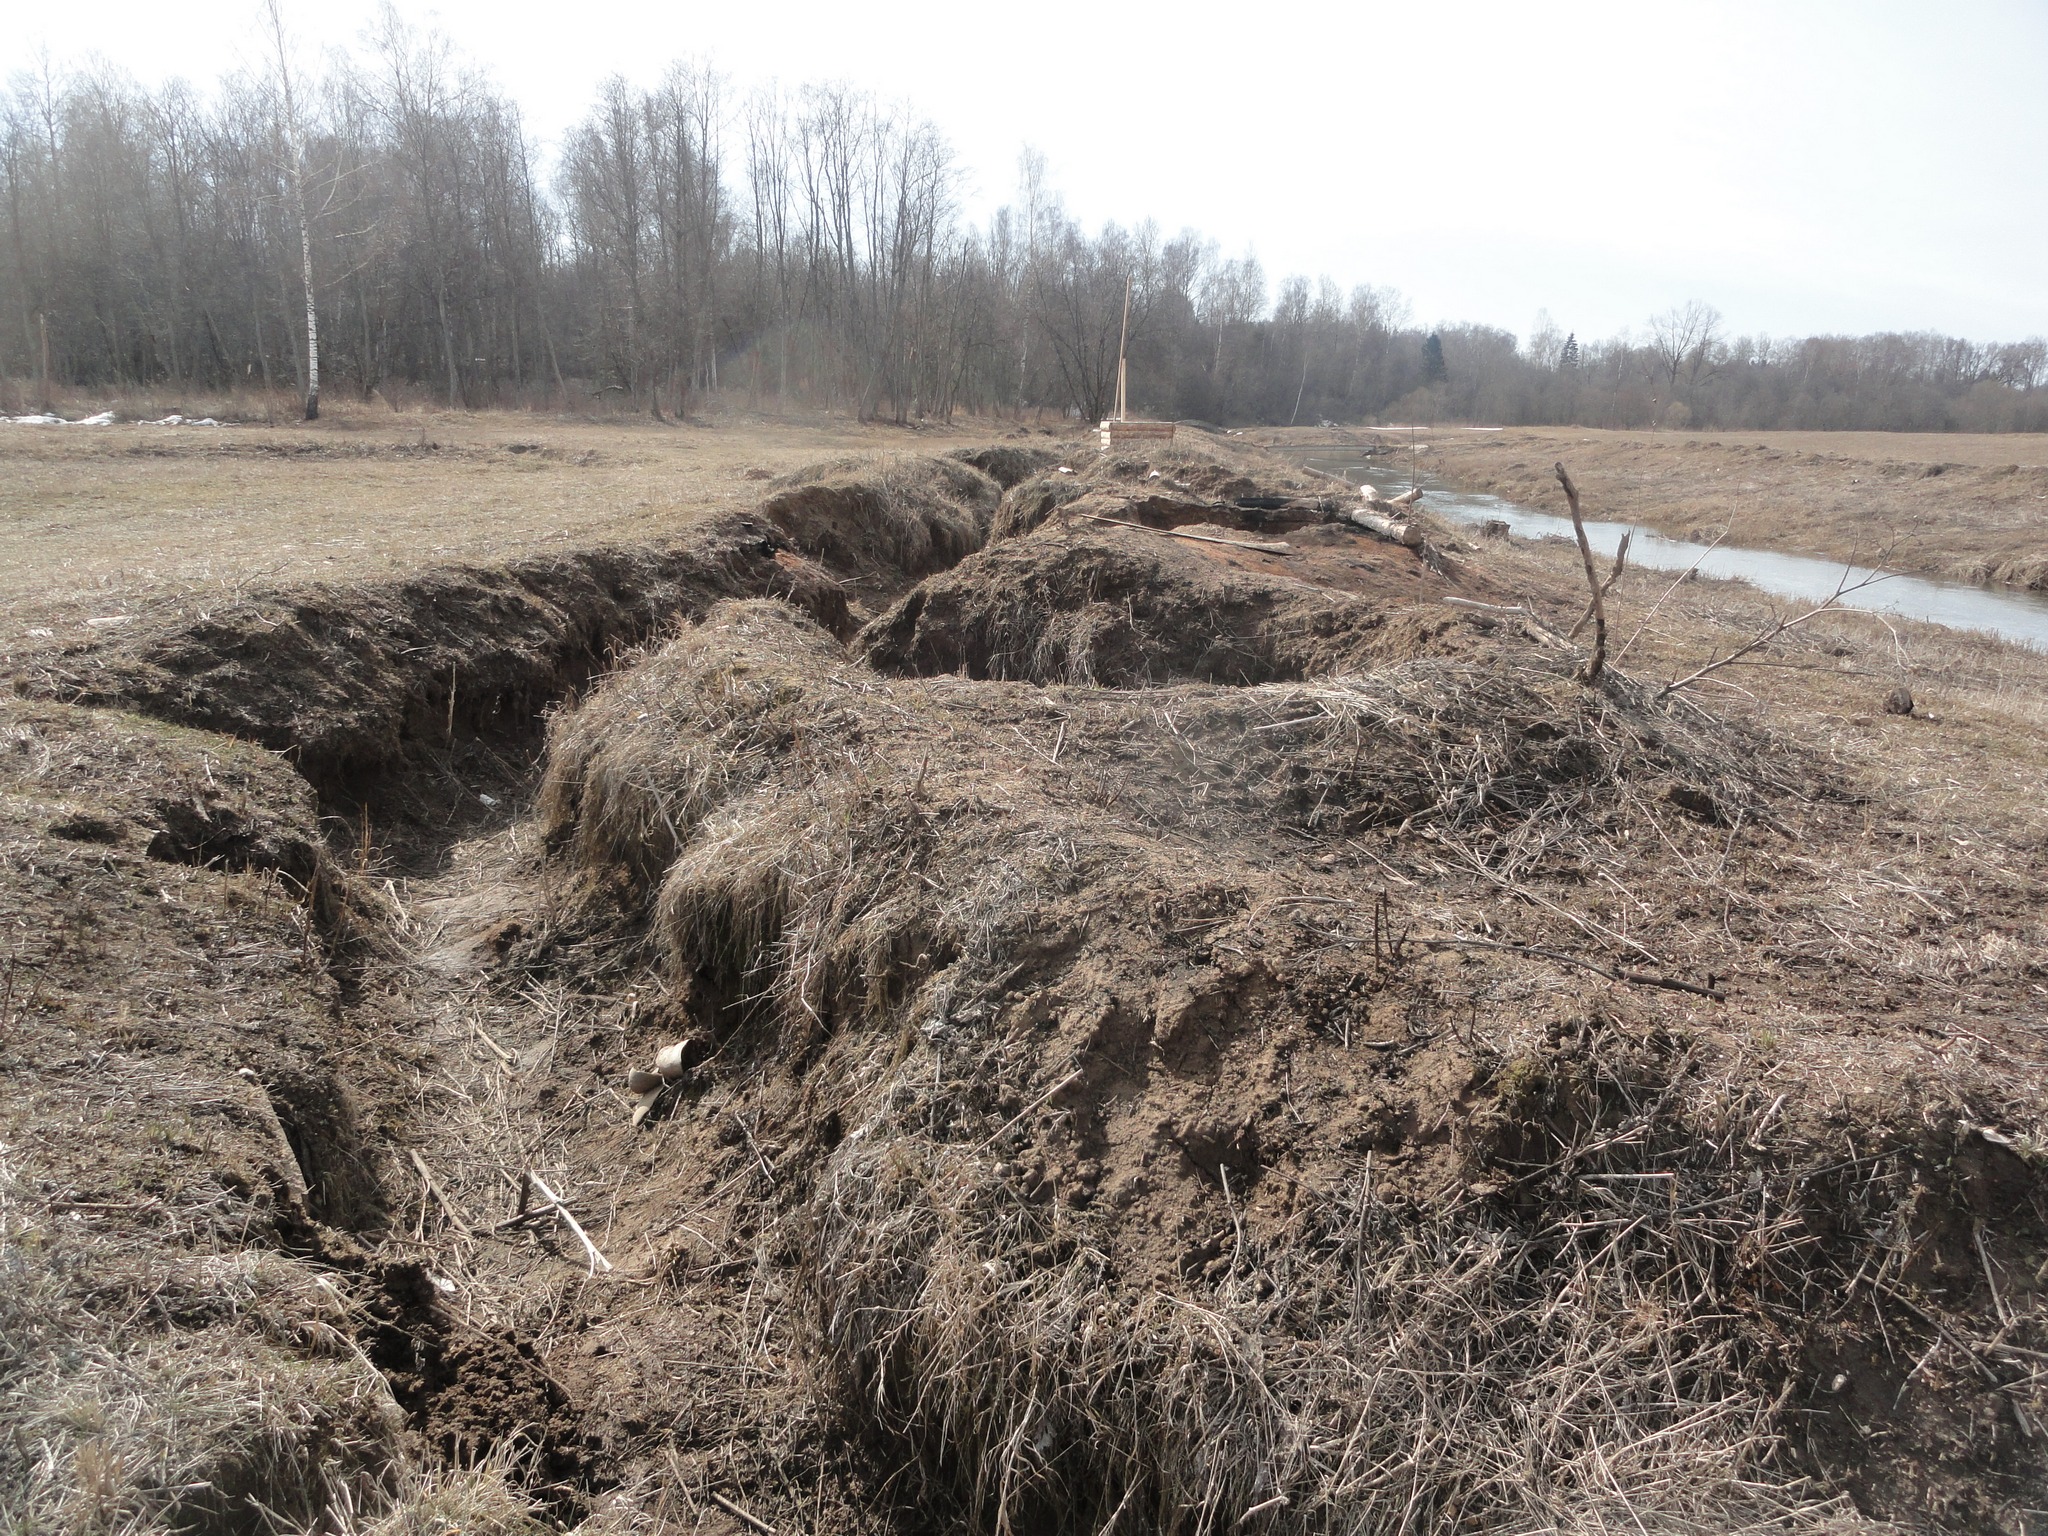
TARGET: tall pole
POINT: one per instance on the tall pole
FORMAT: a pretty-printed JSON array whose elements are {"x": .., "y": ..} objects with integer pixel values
[
  {"x": 292, "y": 176},
  {"x": 1122, "y": 341}
]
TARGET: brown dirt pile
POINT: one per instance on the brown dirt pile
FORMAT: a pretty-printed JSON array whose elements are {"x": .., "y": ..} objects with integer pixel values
[
  {"x": 1083, "y": 602},
  {"x": 1150, "y": 1125},
  {"x": 180, "y": 1121},
  {"x": 1183, "y": 483}
]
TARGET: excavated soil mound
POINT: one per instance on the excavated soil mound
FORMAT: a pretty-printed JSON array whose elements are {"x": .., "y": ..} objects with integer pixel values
[
  {"x": 1148, "y": 1133},
  {"x": 1191, "y": 474},
  {"x": 1084, "y": 602},
  {"x": 1181, "y": 1038},
  {"x": 884, "y": 519}
]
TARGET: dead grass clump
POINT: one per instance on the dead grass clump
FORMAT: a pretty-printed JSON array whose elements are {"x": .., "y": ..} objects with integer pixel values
[
  {"x": 1123, "y": 609},
  {"x": 634, "y": 771},
  {"x": 1008, "y": 464},
  {"x": 884, "y": 518},
  {"x": 2027, "y": 571},
  {"x": 1568, "y": 1344},
  {"x": 141, "y": 1391}
]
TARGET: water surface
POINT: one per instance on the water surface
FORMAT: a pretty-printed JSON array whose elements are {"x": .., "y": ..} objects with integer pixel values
[{"x": 2008, "y": 613}]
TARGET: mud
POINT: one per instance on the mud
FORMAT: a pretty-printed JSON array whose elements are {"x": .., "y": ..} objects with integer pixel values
[{"x": 1166, "y": 1055}]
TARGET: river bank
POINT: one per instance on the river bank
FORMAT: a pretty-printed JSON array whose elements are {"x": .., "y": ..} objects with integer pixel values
[{"x": 1962, "y": 507}]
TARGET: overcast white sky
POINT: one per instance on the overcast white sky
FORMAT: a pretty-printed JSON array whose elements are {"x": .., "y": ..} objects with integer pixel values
[{"x": 1803, "y": 166}]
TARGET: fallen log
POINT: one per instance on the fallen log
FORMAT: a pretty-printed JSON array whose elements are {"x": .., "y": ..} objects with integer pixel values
[{"x": 1407, "y": 535}]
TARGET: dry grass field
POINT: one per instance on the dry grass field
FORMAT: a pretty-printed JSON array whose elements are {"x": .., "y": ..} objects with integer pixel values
[
  {"x": 1956, "y": 506},
  {"x": 1060, "y": 992},
  {"x": 98, "y": 522}
]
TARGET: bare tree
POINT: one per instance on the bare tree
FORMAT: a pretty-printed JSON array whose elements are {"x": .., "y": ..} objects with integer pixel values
[
  {"x": 292, "y": 160},
  {"x": 1683, "y": 340}
]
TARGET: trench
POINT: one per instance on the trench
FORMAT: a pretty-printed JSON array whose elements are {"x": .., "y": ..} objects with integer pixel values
[
  {"x": 443, "y": 726},
  {"x": 2020, "y": 618}
]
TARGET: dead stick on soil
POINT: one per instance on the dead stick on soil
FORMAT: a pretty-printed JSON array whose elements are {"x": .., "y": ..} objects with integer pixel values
[
  {"x": 1997, "y": 1298},
  {"x": 743, "y": 1516},
  {"x": 441, "y": 1195},
  {"x": 597, "y": 1260},
  {"x": 1206, "y": 538},
  {"x": 1598, "y": 661},
  {"x": 1632, "y": 978},
  {"x": 483, "y": 1035}
]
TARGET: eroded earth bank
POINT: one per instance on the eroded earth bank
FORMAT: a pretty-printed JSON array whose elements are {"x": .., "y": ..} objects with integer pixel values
[{"x": 1175, "y": 1034}]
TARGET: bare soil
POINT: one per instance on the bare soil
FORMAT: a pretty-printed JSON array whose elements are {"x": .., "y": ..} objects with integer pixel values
[
  {"x": 1180, "y": 1035},
  {"x": 1960, "y": 507}
]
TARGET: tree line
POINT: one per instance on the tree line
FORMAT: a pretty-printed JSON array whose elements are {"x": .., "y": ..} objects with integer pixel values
[{"x": 385, "y": 225}]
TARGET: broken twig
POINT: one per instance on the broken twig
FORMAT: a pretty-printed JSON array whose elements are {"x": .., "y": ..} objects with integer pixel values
[
  {"x": 1630, "y": 978},
  {"x": 440, "y": 1195},
  {"x": 745, "y": 1518}
]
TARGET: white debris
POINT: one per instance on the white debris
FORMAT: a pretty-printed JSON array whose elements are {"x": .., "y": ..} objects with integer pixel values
[
  {"x": 1063, "y": 470},
  {"x": 111, "y": 621},
  {"x": 45, "y": 419}
]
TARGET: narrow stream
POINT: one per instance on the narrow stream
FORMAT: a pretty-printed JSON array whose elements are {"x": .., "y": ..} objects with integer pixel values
[{"x": 2008, "y": 613}]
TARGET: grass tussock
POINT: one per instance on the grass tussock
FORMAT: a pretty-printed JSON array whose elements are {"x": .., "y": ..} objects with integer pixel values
[
  {"x": 884, "y": 517},
  {"x": 144, "y": 1392},
  {"x": 1568, "y": 1346}
]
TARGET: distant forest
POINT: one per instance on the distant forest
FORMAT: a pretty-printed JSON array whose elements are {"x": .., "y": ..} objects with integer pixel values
[{"x": 786, "y": 247}]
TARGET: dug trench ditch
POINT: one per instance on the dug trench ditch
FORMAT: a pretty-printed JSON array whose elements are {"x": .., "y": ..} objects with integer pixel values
[{"x": 1156, "y": 1060}]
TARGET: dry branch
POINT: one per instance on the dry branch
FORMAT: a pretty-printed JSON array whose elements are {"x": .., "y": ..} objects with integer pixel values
[
  {"x": 1598, "y": 661},
  {"x": 1620, "y": 565},
  {"x": 1843, "y": 588},
  {"x": 1682, "y": 577},
  {"x": 1612, "y": 973},
  {"x": 1407, "y": 535},
  {"x": 1206, "y": 538},
  {"x": 753, "y": 1521},
  {"x": 440, "y": 1195}
]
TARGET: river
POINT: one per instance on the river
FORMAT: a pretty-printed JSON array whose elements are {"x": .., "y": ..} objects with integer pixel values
[{"x": 2010, "y": 614}]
